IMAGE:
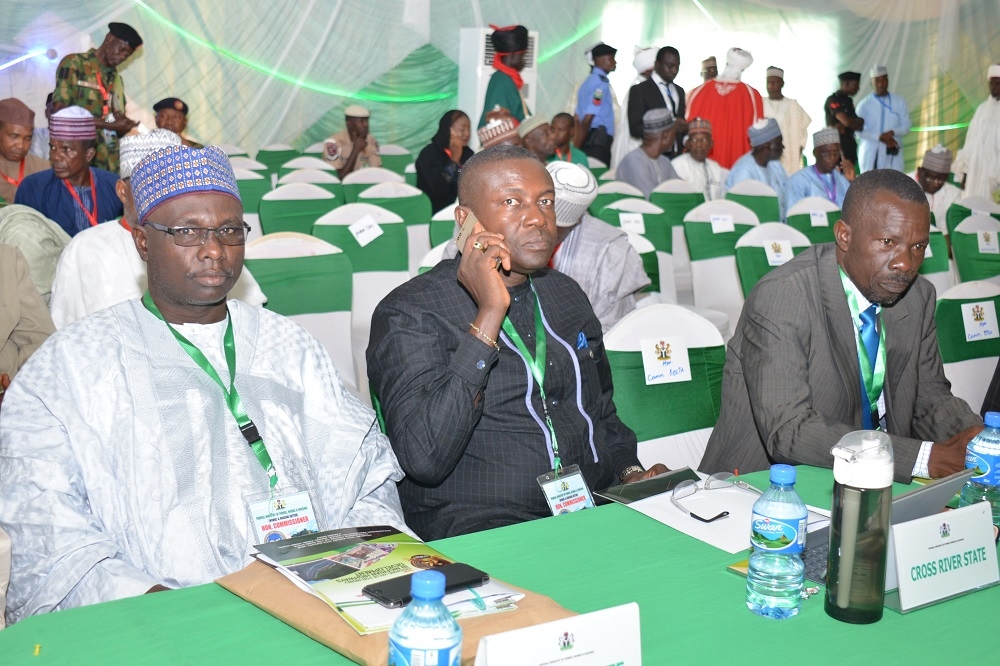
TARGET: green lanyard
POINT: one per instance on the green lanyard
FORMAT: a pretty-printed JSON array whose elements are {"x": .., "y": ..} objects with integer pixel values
[
  {"x": 536, "y": 363},
  {"x": 873, "y": 380},
  {"x": 233, "y": 402}
]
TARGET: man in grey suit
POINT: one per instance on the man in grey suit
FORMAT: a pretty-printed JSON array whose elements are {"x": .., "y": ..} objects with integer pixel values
[{"x": 793, "y": 383}]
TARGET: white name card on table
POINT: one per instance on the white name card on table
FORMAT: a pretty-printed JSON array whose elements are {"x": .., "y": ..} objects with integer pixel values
[
  {"x": 778, "y": 252},
  {"x": 722, "y": 224},
  {"x": 988, "y": 242},
  {"x": 980, "y": 321},
  {"x": 608, "y": 637},
  {"x": 365, "y": 230},
  {"x": 634, "y": 223},
  {"x": 818, "y": 219},
  {"x": 944, "y": 555},
  {"x": 665, "y": 360}
]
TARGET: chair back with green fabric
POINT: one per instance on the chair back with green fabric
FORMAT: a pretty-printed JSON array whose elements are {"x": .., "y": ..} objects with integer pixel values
[
  {"x": 611, "y": 191},
  {"x": 413, "y": 206},
  {"x": 758, "y": 197},
  {"x": 936, "y": 267},
  {"x": 815, "y": 217},
  {"x": 326, "y": 179},
  {"x": 677, "y": 198},
  {"x": 410, "y": 174},
  {"x": 765, "y": 247},
  {"x": 318, "y": 148},
  {"x": 232, "y": 151},
  {"x": 968, "y": 206},
  {"x": 975, "y": 244},
  {"x": 253, "y": 186},
  {"x": 294, "y": 207},
  {"x": 275, "y": 155},
  {"x": 443, "y": 225},
  {"x": 607, "y": 176},
  {"x": 650, "y": 262},
  {"x": 647, "y": 219},
  {"x": 395, "y": 158},
  {"x": 712, "y": 230},
  {"x": 379, "y": 266},
  {"x": 671, "y": 421},
  {"x": 244, "y": 162},
  {"x": 360, "y": 180},
  {"x": 310, "y": 281},
  {"x": 305, "y": 162},
  {"x": 432, "y": 258},
  {"x": 596, "y": 166},
  {"x": 965, "y": 316}
]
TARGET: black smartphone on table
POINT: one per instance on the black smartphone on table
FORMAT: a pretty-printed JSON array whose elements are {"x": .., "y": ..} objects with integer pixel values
[{"x": 395, "y": 592}]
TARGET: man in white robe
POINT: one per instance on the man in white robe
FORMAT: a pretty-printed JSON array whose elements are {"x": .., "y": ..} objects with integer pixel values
[
  {"x": 624, "y": 143},
  {"x": 979, "y": 159},
  {"x": 887, "y": 121},
  {"x": 592, "y": 252},
  {"x": 792, "y": 120},
  {"x": 932, "y": 174},
  {"x": 122, "y": 469},
  {"x": 100, "y": 266},
  {"x": 695, "y": 167}
]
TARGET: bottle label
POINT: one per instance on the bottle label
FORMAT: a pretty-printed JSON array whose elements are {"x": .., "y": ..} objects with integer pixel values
[
  {"x": 987, "y": 467},
  {"x": 400, "y": 655},
  {"x": 780, "y": 536}
]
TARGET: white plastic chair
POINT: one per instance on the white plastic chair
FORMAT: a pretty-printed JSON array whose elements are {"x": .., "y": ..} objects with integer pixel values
[
  {"x": 413, "y": 206},
  {"x": 432, "y": 258},
  {"x": 332, "y": 329},
  {"x": 654, "y": 216},
  {"x": 295, "y": 207},
  {"x": 315, "y": 149},
  {"x": 662, "y": 320},
  {"x": 752, "y": 264},
  {"x": 971, "y": 262},
  {"x": 970, "y": 378},
  {"x": 715, "y": 281},
  {"x": 250, "y": 164}
]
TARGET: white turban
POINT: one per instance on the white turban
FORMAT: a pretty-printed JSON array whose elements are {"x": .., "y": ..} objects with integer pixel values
[
  {"x": 993, "y": 72},
  {"x": 644, "y": 59},
  {"x": 737, "y": 61}
]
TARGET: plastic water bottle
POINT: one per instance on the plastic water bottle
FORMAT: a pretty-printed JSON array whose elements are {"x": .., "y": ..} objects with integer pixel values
[
  {"x": 983, "y": 455},
  {"x": 425, "y": 634},
  {"x": 778, "y": 535}
]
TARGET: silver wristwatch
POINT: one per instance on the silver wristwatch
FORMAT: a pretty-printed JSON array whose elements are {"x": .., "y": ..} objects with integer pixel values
[{"x": 629, "y": 470}]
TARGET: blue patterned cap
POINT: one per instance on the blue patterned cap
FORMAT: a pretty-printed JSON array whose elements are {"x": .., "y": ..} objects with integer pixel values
[{"x": 176, "y": 171}]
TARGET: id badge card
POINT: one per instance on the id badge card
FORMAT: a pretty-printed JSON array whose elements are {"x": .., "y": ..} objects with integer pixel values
[
  {"x": 566, "y": 491},
  {"x": 281, "y": 516}
]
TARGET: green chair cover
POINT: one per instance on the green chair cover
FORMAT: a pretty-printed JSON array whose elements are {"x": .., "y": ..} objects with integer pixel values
[
  {"x": 293, "y": 214},
  {"x": 766, "y": 208},
  {"x": 651, "y": 265},
  {"x": 284, "y": 171},
  {"x": 388, "y": 252},
  {"x": 937, "y": 262},
  {"x": 397, "y": 163},
  {"x": 951, "y": 332},
  {"x": 275, "y": 158},
  {"x": 751, "y": 263},
  {"x": 676, "y": 205},
  {"x": 305, "y": 285},
  {"x": 957, "y": 213},
  {"x": 657, "y": 225},
  {"x": 606, "y": 198},
  {"x": 803, "y": 222},
  {"x": 413, "y": 210},
  {"x": 251, "y": 191},
  {"x": 411, "y": 177},
  {"x": 703, "y": 244},
  {"x": 441, "y": 231},
  {"x": 598, "y": 171},
  {"x": 971, "y": 263},
  {"x": 662, "y": 410}
]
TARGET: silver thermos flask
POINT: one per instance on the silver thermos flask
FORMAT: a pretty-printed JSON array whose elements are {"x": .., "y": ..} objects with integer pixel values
[{"x": 859, "y": 527}]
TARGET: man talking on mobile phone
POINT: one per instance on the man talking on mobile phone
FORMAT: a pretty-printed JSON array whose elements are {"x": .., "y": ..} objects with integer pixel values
[{"x": 490, "y": 369}]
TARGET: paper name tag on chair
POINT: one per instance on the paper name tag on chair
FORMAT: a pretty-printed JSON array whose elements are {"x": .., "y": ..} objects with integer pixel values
[
  {"x": 988, "y": 242},
  {"x": 818, "y": 219},
  {"x": 778, "y": 252},
  {"x": 365, "y": 230},
  {"x": 632, "y": 222},
  {"x": 980, "y": 321},
  {"x": 722, "y": 224},
  {"x": 599, "y": 638},
  {"x": 665, "y": 360}
]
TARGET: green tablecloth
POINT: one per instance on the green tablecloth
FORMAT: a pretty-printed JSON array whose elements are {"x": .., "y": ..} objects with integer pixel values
[{"x": 692, "y": 609}]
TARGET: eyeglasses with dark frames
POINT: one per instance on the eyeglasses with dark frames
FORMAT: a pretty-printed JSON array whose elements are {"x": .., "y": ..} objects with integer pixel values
[{"x": 195, "y": 236}]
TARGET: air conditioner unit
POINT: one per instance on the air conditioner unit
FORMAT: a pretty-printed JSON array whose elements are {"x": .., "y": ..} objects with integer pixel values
[{"x": 476, "y": 67}]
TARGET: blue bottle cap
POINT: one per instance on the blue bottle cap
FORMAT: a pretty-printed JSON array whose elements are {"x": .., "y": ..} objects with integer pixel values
[
  {"x": 427, "y": 585},
  {"x": 992, "y": 420},
  {"x": 783, "y": 474}
]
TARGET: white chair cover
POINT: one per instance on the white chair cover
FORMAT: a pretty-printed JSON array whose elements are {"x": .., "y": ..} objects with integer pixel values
[{"x": 970, "y": 379}]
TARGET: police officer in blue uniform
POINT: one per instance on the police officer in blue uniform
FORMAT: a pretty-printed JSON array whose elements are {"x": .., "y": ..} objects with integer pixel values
[{"x": 594, "y": 107}]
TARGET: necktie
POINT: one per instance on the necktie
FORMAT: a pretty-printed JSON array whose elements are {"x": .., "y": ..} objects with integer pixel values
[
  {"x": 670, "y": 98},
  {"x": 869, "y": 338}
]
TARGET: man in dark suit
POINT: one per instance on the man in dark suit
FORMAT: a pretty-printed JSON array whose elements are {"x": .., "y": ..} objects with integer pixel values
[
  {"x": 842, "y": 330},
  {"x": 657, "y": 92}
]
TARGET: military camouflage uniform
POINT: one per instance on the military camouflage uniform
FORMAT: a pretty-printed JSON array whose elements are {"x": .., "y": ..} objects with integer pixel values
[{"x": 76, "y": 85}]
